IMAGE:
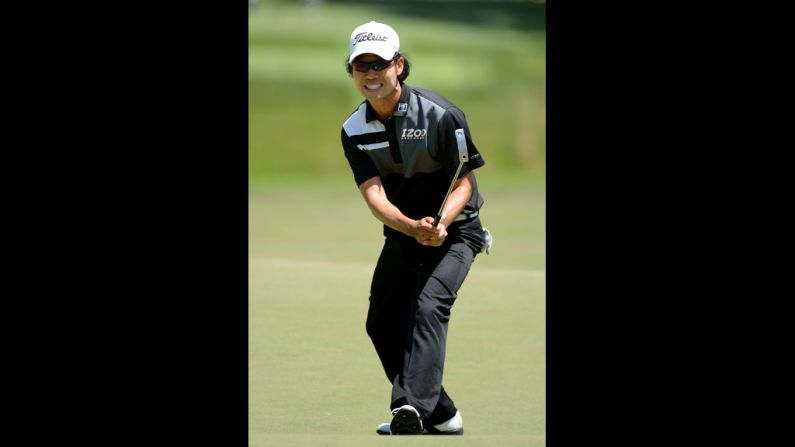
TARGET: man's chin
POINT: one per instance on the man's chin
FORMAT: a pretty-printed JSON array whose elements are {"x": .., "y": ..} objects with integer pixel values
[
  {"x": 379, "y": 94},
  {"x": 374, "y": 93}
]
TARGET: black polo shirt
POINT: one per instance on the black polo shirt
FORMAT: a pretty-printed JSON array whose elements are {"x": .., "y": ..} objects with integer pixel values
[{"x": 414, "y": 152}]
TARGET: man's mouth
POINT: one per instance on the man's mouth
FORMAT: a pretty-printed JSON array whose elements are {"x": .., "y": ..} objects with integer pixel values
[{"x": 372, "y": 86}]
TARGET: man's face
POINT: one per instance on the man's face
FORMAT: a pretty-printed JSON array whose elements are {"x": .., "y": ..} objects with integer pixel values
[{"x": 373, "y": 84}]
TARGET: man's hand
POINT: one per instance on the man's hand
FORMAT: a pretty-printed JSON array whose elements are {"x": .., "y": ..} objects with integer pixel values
[{"x": 426, "y": 234}]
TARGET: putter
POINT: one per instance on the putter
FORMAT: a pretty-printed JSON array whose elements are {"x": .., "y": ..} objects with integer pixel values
[{"x": 463, "y": 156}]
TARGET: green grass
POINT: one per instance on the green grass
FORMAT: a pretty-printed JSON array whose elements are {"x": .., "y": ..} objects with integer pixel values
[
  {"x": 314, "y": 378},
  {"x": 329, "y": 211}
]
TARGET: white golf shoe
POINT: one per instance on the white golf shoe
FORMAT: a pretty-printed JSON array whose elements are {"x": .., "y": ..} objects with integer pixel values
[{"x": 453, "y": 426}]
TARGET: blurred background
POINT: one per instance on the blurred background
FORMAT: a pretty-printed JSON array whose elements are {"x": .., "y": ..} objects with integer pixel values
[
  {"x": 487, "y": 57},
  {"x": 314, "y": 378}
]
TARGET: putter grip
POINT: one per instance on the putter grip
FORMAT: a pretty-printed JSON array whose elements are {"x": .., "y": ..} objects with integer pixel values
[{"x": 436, "y": 220}]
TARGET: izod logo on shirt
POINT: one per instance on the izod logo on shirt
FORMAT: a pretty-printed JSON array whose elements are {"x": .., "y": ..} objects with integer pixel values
[{"x": 413, "y": 134}]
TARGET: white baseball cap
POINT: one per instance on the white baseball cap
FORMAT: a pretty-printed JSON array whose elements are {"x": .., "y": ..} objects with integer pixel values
[{"x": 376, "y": 38}]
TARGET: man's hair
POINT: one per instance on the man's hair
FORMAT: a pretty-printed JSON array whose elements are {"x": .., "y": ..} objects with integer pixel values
[{"x": 402, "y": 77}]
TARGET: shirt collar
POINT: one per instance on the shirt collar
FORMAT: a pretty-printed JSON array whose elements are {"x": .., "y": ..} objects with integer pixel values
[{"x": 402, "y": 106}]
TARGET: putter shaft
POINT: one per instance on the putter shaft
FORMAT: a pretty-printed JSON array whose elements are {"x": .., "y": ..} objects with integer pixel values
[{"x": 449, "y": 190}]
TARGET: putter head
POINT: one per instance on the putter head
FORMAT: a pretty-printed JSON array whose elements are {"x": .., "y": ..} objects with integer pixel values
[
  {"x": 488, "y": 241},
  {"x": 463, "y": 154}
]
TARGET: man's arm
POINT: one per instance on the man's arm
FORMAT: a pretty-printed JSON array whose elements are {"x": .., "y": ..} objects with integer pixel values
[
  {"x": 374, "y": 194},
  {"x": 421, "y": 230},
  {"x": 462, "y": 192}
]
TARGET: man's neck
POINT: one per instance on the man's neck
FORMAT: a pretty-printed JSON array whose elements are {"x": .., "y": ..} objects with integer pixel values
[{"x": 385, "y": 106}]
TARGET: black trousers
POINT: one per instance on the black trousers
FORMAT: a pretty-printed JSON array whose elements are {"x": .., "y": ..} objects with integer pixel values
[{"x": 411, "y": 296}]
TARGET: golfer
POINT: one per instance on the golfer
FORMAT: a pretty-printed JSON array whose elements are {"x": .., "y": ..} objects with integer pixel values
[{"x": 402, "y": 148}]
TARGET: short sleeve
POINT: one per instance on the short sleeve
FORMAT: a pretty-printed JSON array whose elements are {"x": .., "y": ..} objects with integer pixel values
[{"x": 361, "y": 164}]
